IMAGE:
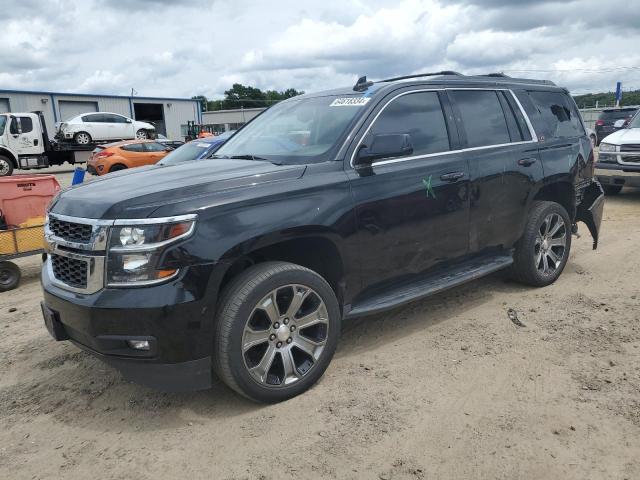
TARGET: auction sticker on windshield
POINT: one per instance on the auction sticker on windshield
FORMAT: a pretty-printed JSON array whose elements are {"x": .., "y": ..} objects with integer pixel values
[{"x": 350, "y": 102}]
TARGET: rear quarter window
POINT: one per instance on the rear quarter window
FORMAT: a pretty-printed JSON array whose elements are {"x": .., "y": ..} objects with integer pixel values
[{"x": 558, "y": 116}]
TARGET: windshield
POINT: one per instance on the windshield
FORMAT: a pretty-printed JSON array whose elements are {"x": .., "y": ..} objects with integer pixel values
[
  {"x": 184, "y": 153},
  {"x": 295, "y": 131},
  {"x": 635, "y": 123},
  {"x": 3, "y": 122}
]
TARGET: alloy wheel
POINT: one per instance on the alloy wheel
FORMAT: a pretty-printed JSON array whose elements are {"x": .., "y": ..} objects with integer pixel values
[
  {"x": 550, "y": 244},
  {"x": 285, "y": 335},
  {"x": 141, "y": 135}
]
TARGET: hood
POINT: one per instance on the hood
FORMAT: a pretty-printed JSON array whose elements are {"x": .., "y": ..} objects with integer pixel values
[
  {"x": 624, "y": 136},
  {"x": 137, "y": 192}
]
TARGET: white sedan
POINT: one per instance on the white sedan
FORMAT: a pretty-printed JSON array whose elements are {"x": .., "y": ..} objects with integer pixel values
[{"x": 92, "y": 127}]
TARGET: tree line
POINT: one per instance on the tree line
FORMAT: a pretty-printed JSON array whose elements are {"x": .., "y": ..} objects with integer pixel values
[
  {"x": 241, "y": 96},
  {"x": 607, "y": 99}
]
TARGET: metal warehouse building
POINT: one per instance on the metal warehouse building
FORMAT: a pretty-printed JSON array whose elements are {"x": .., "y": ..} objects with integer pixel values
[{"x": 170, "y": 115}]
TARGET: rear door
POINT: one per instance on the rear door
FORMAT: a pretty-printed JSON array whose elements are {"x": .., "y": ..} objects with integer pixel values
[
  {"x": 155, "y": 152},
  {"x": 412, "y": 212},
  {"x": 136, "y": 155},
  {"x": 93, "y": 124}
]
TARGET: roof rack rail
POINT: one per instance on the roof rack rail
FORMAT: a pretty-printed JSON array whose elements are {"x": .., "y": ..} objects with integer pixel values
[
  {"x": 362, "y": 84},
  {"x": 430, "y": 74},
  {"x": 496, "y": 74}
]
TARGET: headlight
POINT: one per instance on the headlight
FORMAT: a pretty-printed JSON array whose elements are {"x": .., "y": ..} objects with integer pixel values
[
  {"x": 135, "y": 250},
  {"x": 607, "y": 148}
]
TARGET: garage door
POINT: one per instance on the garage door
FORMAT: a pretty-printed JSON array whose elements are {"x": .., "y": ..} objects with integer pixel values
[
  {"x": 69, "y": 108},
  {"x": 4, "y": 105}
]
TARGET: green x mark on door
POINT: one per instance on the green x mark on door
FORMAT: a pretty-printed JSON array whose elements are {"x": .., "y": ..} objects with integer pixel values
[{"x": 428, "y": 188}]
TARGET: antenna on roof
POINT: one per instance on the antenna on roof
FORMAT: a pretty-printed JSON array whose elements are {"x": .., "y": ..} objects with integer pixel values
[{"x": 362, "y": 84}]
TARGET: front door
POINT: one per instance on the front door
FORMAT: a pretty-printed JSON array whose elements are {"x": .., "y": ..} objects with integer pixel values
[
  {"x": 412, "y": 212},
  {"x": 25, "y": 136}
]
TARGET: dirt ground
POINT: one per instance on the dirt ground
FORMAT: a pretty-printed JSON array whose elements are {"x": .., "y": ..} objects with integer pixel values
[{"x": 448, "y": 387}]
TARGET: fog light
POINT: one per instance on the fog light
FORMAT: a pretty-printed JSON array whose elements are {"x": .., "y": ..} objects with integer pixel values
[{"x": 138, "y": 344}]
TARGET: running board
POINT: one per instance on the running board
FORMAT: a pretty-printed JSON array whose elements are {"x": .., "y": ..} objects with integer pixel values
[{"x": 429, "y": 284}]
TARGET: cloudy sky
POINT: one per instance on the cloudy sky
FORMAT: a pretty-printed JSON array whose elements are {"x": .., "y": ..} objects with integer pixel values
[{"x": 190, "y": 47}]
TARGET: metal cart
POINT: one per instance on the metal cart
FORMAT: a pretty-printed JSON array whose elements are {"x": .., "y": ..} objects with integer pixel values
[{"x": 17, "y": 243}]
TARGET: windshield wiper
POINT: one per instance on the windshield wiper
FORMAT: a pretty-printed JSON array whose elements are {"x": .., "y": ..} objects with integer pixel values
[{"x": 252, "y": 157}]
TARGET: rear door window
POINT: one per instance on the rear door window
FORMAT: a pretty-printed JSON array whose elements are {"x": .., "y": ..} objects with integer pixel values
[
  {"x": 134, "y": 147},
  {"x": 560, "y": 119},
  {"x": 420, "y": 115},
  {"x": 482, "y": 116},
  {"x": 93, "y": 118},
  {"x": 154, "y": 147}
]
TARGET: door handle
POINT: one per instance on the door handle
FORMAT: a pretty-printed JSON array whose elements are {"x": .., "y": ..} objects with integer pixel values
[
  {"x": 452, "y": 177},
  {"x": 525, "y": 162}
]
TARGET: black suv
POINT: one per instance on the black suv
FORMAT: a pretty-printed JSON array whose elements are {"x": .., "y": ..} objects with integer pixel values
[
  {"x": 327, "y": 206},
  {"x": 607, "y": 118}
]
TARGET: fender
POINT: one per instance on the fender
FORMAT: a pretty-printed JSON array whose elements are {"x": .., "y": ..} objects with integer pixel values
[{"x": 6, "y": 151}]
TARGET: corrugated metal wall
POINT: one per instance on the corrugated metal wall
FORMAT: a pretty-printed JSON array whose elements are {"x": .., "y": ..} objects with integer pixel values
[{"x": 176, "y": 115}]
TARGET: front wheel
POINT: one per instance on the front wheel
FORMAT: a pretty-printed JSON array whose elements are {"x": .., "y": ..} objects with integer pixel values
[
  {"x": 142, "y": 134},
  {"x": 6, "y": 166},
  {"x": 543, "y": 249},
  {"x": 277, "y": 329}
]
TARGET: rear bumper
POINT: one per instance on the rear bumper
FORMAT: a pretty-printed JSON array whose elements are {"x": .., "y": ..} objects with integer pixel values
[{"x": 590, "y": 209}]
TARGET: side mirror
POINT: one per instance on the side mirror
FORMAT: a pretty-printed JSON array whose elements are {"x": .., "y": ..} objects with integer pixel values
[
  {"x": 385, "y": 146},
  {"x": 128, "y": 120},
  {"x": 619, "y": 123}
]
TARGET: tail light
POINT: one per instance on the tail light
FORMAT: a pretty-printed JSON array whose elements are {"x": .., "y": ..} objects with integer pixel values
[
  {"x": 103, "y": 155},
  {"x": 600, "y": 122}
]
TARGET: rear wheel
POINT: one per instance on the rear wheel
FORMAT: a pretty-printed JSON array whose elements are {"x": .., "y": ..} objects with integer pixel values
[
  {"x": 117, "y": 167},
  {"x": 543, "y": 249},
  {"x": 9, "y": 276},
  {"x": 277, "y": 329},
  {"x": 82, "y": 138},
  {"x": 6, "y": 166},
  {"x": 612, "y": 189}
]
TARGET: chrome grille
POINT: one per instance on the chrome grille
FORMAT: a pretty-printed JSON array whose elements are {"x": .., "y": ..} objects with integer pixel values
[
  {"x": 73, "y": 232},
  {"x": 630, "y": 148},
  {"x": 71, "y": 271}
]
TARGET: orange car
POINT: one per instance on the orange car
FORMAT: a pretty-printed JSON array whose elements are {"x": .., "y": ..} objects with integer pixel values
[{"x": 128, "y": 154}]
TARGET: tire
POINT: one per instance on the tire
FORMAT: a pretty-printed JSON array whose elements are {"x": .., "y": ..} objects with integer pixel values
[
  {"x": 9, "y": 276},
  {"x": 117, "y": 167},
  {"x": 243, "y": 319},
  {"x": 532, "y": 263},
  {"x": 6, "y": 166},
  {"x": 142, "y": 134},
  {"x": 82, "y": 138},
  {"x": 612, "y": 189}
]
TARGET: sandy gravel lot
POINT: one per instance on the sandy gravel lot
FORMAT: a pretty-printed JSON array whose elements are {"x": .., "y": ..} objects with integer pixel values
[{"x": 447, "y": 388}]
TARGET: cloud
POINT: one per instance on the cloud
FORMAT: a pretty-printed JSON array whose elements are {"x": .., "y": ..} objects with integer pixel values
[{"x": 190, "y": 47}]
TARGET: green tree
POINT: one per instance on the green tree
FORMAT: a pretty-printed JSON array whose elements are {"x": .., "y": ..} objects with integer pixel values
[
  {"x": 607, "y": 99},
  {"x": 241, "y": 96}
]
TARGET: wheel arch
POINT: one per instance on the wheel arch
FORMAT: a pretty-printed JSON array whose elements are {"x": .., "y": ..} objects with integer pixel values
[
  {"x": 561, "y": 192},
  {"x": 316, "y": 248},
  {"x": 5, "y": 152}
]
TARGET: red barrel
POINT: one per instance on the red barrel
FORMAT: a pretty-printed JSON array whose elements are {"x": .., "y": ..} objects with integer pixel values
[{"x": 24, "y": 198}]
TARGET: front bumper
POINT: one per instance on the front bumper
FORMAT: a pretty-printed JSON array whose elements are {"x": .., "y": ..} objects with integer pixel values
[
  {"x": 616, "y": 174},
  {"x": 177, "y": 324}
]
